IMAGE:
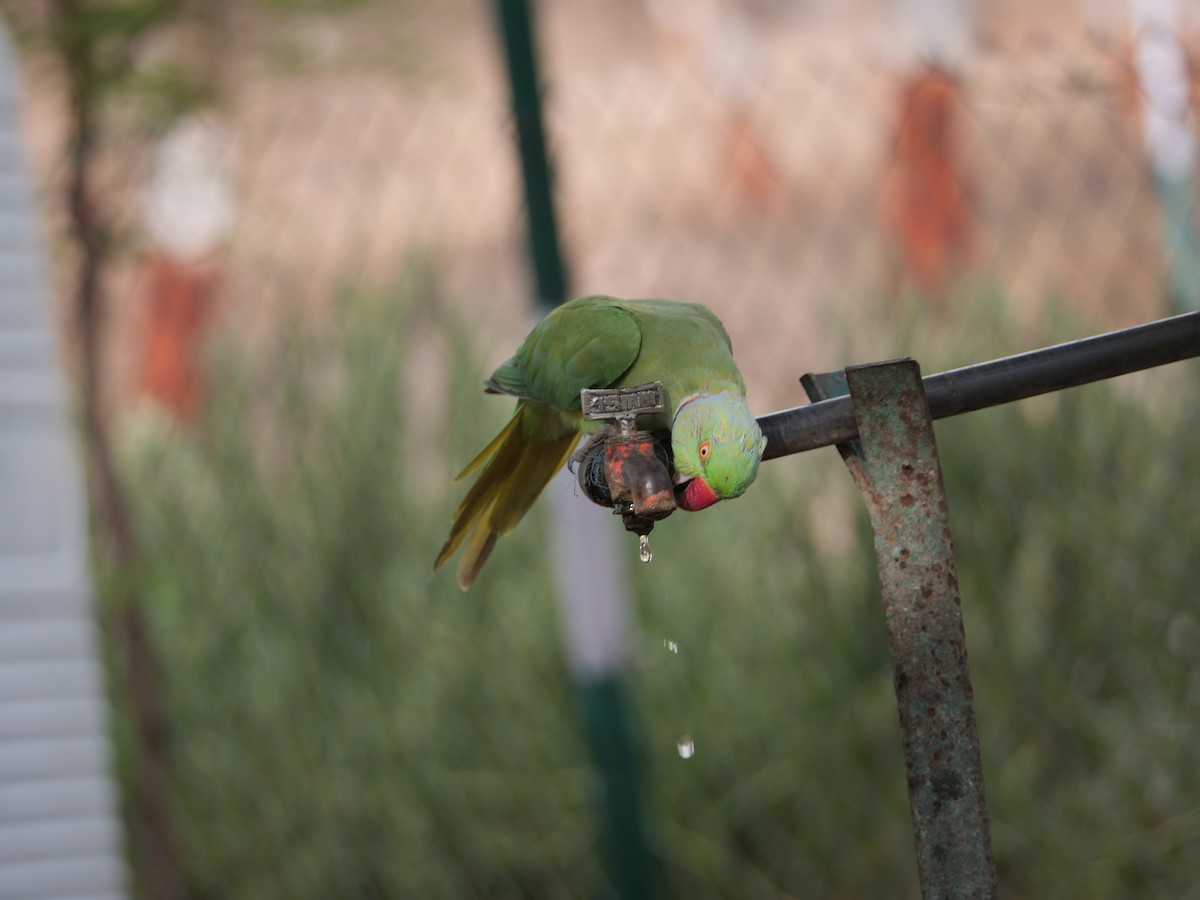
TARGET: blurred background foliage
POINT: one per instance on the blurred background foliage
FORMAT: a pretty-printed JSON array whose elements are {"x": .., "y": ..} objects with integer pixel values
[{"x": 346, "y": 725}]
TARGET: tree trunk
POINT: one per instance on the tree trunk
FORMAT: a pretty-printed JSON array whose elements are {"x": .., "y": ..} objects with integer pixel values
[{"x": 148, "y": 818}]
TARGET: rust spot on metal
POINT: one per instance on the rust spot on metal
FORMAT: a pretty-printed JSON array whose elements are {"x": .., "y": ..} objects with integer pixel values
[{"x": 948, "y": 785}]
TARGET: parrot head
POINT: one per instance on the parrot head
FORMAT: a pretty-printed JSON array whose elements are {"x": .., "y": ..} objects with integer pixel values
[{"x": 717, "y": 445}]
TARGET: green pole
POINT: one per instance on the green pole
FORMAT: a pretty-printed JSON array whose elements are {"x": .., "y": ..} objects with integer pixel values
[
  {"x": 516, "y": 25},
  {"x": 595, "y": 607},
  {"x": 1177, "y": 213},
  {"x": 609, "y": 726},
  {"x": 1161, "y": 66}
]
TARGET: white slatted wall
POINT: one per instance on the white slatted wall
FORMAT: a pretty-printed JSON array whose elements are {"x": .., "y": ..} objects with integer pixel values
[{"x": 59, "y": 837}]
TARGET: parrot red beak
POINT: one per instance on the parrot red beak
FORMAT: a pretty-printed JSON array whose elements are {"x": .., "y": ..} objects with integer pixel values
[{"x": 694, "y": 495}]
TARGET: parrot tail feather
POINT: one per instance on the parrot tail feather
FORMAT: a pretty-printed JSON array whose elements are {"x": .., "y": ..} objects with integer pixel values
[
  {"x": 490, "y": 450},
  {"x": 515, "y": 470},
  {"x": 483, "y": 541}
]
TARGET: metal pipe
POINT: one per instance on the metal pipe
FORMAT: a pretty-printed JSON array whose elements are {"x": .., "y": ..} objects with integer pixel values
[{"x": 1000, "y": 381}]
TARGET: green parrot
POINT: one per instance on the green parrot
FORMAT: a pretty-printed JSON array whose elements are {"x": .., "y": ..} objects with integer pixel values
[{"x": 606, "y": 342}]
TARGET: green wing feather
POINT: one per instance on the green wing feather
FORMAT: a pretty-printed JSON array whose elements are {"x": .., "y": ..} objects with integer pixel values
[{"x": 587, "y": 343}]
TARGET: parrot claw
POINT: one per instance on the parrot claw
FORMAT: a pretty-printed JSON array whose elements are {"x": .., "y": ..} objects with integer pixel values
[{"x": 599, "y": 436}]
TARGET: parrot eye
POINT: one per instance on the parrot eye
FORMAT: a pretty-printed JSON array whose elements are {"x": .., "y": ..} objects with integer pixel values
[{"x": 705, "y": 449}]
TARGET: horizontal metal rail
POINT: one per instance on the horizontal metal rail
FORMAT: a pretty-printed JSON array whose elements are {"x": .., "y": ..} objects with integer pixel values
[{"x": 1000, "y": 381}]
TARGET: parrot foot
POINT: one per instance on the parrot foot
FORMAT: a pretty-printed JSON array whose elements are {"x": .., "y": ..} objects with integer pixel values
[{"x": 599, "y": 436}]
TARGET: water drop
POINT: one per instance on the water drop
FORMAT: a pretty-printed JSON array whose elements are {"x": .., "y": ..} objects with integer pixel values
[
  {"x": 670, "y": 645},
  {"x": 686, "y": 747},
  {"x": 644, "y": 553}
]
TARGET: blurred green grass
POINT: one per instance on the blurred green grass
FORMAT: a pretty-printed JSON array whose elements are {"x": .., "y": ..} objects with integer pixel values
[{"x": 345, "y": 724}]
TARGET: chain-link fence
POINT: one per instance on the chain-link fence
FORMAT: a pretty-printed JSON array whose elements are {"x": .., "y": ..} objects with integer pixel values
[
  {"x": 764, "y": 194},
  {"x": 345, "y": 724}
]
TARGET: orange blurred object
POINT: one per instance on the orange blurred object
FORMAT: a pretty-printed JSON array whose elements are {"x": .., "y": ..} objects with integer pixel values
[
  {"x": 751, "y": 169},
  {"x": 178, "y": 300},
  {"x": 925, "y": 200}
]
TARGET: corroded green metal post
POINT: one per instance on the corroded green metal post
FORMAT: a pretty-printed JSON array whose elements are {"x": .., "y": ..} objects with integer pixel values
[{"x": 894, "y": 462}]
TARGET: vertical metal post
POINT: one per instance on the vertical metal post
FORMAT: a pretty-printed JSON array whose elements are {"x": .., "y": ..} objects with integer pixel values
[
  {"x": 516, "y": 25},
  {"x": 592, "y": 593},
  {"x": 894, "y": 462}
]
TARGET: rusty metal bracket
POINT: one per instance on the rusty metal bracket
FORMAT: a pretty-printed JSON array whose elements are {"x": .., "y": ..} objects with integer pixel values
[{"x": 894, "y": 462}]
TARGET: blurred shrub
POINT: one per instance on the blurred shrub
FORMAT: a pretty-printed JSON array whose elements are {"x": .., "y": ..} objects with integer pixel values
[{"x": 346, "y": 725}]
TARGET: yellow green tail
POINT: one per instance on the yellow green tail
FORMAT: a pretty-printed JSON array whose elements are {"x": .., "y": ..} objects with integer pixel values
[{"x": 515, "y": 470}]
